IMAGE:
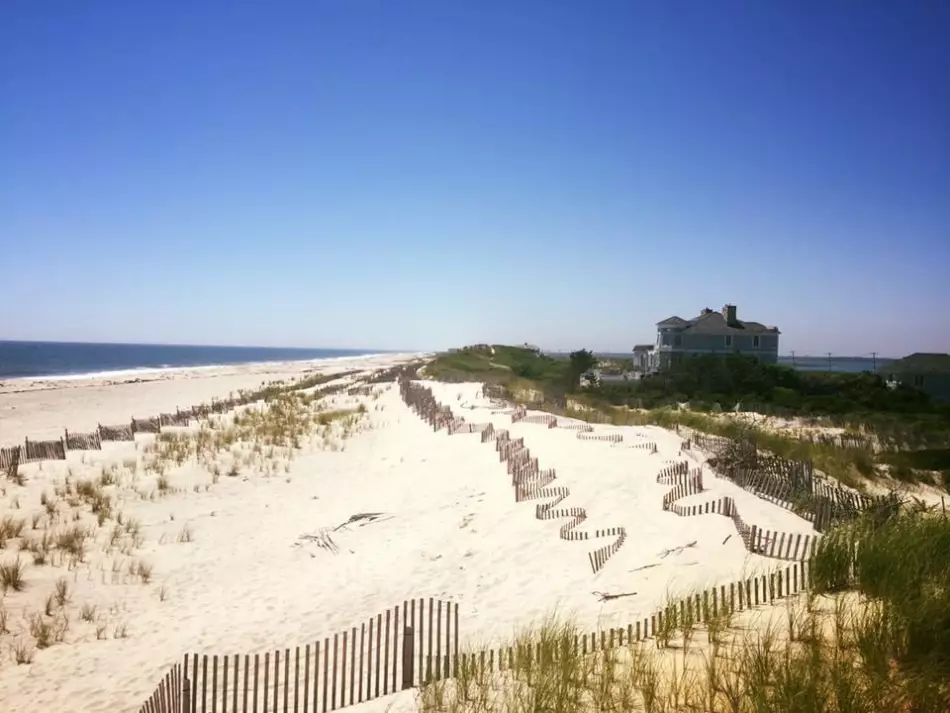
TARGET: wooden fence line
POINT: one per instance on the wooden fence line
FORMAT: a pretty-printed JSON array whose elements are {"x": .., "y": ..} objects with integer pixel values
[
  {"x": 403, "y": 647},
  {"x": 35, "y": 451},
  {"x": 769, "y": 543},
  {"x": 703, "y": 607},
  {"x": 416, "y": 656},
  {"x": 519, "y": 415},
  {"x": 527, "y": 479},
  {"x": 390, "y": 657},
  {"x": 789, "y": 484}
]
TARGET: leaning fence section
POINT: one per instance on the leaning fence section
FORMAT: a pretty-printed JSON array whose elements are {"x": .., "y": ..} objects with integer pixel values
[
  {"x": 403, "y": 647},
  {"x": 412, "y": 644},
  {"x": 167, "y": 697},
  {"x": 790, "y": 484}
]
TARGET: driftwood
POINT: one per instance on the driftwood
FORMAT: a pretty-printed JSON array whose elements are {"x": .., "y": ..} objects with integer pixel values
[
  {"x": 322, "y": 539},
  {"x": 676, "y": 550},
  {"x": 363, "y": 518},
  {"x": 604, "y": 597},
  {"x": 646, "y": 566}
]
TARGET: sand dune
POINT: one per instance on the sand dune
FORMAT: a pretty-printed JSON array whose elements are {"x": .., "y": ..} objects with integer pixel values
[{"x": 245, "y": 582}]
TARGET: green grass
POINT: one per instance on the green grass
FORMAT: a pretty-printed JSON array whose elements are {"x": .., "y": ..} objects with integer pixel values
[
  {"x": 500, "y": 367},
  {"x": 903, "y": 563},
  {"x": 880, "y": 643},
  {"x": 907, "y": 465},
  {"x": 11, "y": 576},
  {"x": 841, "y": 400},
  {"x": 529, "y": 377},
  {"x": 850, "y": 466}
]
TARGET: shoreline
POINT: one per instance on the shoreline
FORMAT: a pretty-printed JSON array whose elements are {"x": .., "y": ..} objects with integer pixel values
[
  {"x": 159, "y": 371},
  {"x": 136, "y": 370},
  {"x": 42, "y": 408}
]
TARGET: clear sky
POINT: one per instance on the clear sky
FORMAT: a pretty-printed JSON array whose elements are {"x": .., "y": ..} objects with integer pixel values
[{"x": 408, "y": 174}]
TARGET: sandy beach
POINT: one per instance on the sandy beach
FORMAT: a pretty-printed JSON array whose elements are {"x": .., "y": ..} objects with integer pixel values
[
  {"x": 229, "y": 572},
  {"x": 41, "y": 408}
]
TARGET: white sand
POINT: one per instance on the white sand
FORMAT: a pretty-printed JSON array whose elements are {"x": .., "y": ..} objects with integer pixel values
[
  {"x": 455, "y": 533},
  {"x": 41, "y": 408}
]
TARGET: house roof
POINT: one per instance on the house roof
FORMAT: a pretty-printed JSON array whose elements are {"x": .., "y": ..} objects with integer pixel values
[
  {"x": 715, "y": 323},
  {"x": 919, "y": 363},
  {"x": 643, "y": 347}
]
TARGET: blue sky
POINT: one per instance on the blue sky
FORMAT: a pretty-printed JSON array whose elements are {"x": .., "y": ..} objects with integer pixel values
[{"x": 407, "y": 174}]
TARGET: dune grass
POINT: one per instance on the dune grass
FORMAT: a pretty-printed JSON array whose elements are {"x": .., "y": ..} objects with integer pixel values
[{"x": 873, "y": 634}]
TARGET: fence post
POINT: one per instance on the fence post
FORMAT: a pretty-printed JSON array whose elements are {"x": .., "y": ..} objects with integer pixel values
[
  {"x": 408, "y": 657},
  {"x": 186, "y": 695}
]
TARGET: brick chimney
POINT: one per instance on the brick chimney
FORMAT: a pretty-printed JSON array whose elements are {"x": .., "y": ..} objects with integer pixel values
[{"x": 729, "y": 314}]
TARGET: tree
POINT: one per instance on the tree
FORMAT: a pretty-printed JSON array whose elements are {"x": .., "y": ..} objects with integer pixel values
[{"x": 581, "y": 361}]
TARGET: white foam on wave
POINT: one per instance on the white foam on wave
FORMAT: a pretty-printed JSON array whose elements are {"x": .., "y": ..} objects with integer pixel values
[{"x": 151, "y": 371}]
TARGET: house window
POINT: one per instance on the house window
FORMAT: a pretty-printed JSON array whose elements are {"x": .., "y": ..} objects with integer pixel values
[
  {"x": 755, "y": 342},
  {"x": 729, "y": 340},
  {"x": 677, "y": 340},
  {"x": 919, "y": 381}
]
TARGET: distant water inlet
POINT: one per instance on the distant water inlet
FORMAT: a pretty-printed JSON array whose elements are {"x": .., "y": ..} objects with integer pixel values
[{"x": 527, "y": 479}]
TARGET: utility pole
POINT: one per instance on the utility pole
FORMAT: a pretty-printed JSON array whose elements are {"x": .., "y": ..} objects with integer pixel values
[
  {"x": 793, "y": 358},
  {"x": 829, "y": 362},
  {"x": 874, "y": 360}
]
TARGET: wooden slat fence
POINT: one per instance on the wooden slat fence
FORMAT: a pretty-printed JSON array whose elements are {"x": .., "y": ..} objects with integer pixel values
[
  {"x": 792, "y": 485},
  {"x": 9, "y": 460},
  {"x": 122, "y": 432},
  {"x": 769, "y": 543},
  {"x": 83, "y": 441},
  {"x": 33, "y": 451},
  {"x": 608, "y": 437},
  {"x": 409, "y": 645},
  {"x": 527, "y": 478},
  {"x": 704, "y": 606},
  {"x": 147, "y": 425},
  {"x": 401, "y": 648},
  {"x": 168, "y": 696}
]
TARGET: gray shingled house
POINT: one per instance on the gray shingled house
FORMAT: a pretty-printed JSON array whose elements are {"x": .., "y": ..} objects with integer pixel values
[
  {"x": 712, "y": 333},
  {"x": 929, "y": 372}
]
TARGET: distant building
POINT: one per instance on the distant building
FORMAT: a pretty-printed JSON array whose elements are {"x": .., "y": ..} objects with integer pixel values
[
  {"x": 709, "y": 333},
  {"x": 929, "y": 372},
  {"x": 532, "y": 347},
  {"x": 600, "y": 376},
  {"x": 641, "y": 357}
]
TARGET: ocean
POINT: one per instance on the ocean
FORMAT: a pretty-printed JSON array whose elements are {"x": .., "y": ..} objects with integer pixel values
[{"x": 24, "y": 360}]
